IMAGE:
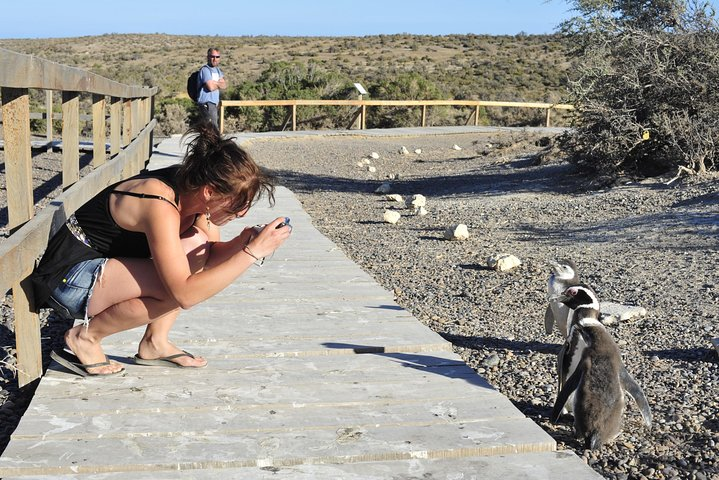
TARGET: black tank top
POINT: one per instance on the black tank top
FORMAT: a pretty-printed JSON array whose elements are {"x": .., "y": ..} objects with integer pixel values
[{"x": 106, "y": 239}]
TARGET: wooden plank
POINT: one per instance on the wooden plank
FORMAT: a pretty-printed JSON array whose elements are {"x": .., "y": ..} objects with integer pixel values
[
  {"x": 213, "y": 449},
  {"x": 115, "y": 126},
  {"x": 98, "y": 130},
  {"x": 28, "y": 71},
  {"x": 70, "y": 138},
  {"x": 18, "y": 159},
  {"x": 27, "y": 334},
  {"x": 527, "y": 466}
]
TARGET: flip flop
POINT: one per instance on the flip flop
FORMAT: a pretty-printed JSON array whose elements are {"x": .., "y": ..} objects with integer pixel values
[
  {"x": 70, "y": 361},
  {"x": 166, "y": 361}
]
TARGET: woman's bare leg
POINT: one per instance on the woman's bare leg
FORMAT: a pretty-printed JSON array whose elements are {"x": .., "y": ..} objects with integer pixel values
[{"x": 128, "y": 295}]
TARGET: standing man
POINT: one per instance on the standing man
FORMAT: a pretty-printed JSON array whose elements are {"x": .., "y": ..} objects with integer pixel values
[{"x": 211, "y": 81}]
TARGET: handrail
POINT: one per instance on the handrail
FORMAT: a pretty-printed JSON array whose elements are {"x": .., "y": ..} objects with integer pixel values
[
  {"x": 131, "y": 129},
  {"x": 362, "y": 104}
]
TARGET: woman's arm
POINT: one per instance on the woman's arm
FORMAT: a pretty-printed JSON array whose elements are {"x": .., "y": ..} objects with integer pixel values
[{"x": 225, "y": 260}]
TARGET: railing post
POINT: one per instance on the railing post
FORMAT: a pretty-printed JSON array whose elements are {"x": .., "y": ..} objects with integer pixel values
[
  {"x": 222, "y": 118},
  {"x": 115, "y": 126},
  {"x": 27, "y": 333},
  {"x": 98, "y": 130},
  {"x": 549, "y": 110},
  {"x": 364, "y": 116},
  {"x": 476, "y": 115},
  {"x": 18, "y": 157},
  {"x": 294, "y": 117},
  {"x": 424, "y": 115},
  {"x": 48, "y": 116},
  {"x": 70, "y": 138},
  {"x": 126, "y": 122}
]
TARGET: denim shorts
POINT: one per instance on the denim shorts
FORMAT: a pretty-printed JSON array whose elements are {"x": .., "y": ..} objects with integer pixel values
[{"x": 71, "y": 297}]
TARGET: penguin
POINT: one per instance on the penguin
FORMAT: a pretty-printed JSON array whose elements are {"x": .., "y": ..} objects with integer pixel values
[
  {"x": 598, "y": 397},
  {"x": 582, "y": 303},
  {"x": 590, "y": 348},
  {"x": 598, "y": 384},
  {"x": 563, "y": 275}
]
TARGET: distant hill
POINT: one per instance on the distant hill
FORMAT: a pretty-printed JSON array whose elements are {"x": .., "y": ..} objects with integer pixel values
[{"x": 521, "y": 67}]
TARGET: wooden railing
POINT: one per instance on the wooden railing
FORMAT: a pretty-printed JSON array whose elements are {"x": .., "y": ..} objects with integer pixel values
[
  {"x": 131, "y": 127},
  {"x": 360, "y": 116}
]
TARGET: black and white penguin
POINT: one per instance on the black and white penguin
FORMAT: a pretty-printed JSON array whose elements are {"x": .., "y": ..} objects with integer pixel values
[
  {"x": 563, "y": 275},
  {"x": 592, "y": 372},
  {"x": 583, "y": 303}
]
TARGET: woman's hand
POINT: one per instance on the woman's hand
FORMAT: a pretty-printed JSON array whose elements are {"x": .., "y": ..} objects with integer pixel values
[{"x": 267, "y": 240}]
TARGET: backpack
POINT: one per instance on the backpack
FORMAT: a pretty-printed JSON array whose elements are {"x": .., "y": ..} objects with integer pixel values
[
  {"x": 193, "y": 83},
  {"x": 193, "y": 87}
]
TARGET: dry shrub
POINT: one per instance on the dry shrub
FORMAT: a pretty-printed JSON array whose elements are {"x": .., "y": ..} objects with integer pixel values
[{"x": 643, "y": 92}]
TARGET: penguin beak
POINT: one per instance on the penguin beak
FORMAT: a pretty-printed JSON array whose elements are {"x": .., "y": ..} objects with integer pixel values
[{"x": 560, "y": 297}]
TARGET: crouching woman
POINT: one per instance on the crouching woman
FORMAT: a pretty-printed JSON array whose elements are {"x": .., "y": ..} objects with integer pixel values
[{"x": 146, "y": 247}]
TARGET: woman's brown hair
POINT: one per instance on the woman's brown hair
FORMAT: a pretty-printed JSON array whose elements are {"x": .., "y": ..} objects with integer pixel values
[{"x": 222, "y": 164}]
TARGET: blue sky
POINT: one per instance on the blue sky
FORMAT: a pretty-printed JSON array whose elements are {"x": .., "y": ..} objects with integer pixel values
[{"x": 71, "y": 18}]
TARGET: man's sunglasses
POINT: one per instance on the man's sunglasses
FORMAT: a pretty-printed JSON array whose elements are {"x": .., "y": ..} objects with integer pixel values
[{"x": 214, "y": 56}]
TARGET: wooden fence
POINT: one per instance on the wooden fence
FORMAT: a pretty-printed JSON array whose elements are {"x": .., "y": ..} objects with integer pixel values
[
  {"x": 130, "y": 140},
  {"x": 360, "y": 116}
]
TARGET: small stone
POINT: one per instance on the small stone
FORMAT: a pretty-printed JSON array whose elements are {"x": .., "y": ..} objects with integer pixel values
[
  {"x": 457, "y": 232},
  {"x": 421, "y": 211},
  {"x": 403, "y": 150},
  {"x": 456, "y": 147},
  {"x": 371, "y": 169},
  {"x": 491, "y": 361},
  {"x": 418, "y": 151},
  {"x": 395, "y": 197},
  {"x": 416, "y": 201},
  {"x": 374, "y": 155},
  {"x": 391, "y": 216},
  {"x": 503, "y": 262}
]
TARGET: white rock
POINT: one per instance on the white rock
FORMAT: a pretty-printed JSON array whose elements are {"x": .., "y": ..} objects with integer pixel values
[
  {"x": 421, "y": 211},
  {"x": 395, "y": 197},
  {"x": 457, "y": 232},
  {"x": 366, "y": 161},
  {"x": 456, "y": 147},
  {"x": 503, "y": 262},
  {"x": 374, "y": 155},
  {"x": 386, "y": 187},
  {"x": 371, "y": 169},
  {"x": 418, "y": 151},
  {"x": 361, "y": 164},
  {"x": 403, "y": 150},
  {"x": 614, "y": 312},
  {"x": 393, "y": 176},
  {"x": 416, "y": 201},
  {"x": 391, "y": 216}
]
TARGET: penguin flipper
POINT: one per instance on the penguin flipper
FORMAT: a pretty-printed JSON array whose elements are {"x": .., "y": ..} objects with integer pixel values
[
  {"x": 630, "y": 386},
  {"x": 569, "y": 387},
  {"x": 549, "y": 319},
  {"x": 560, "y": 364}
]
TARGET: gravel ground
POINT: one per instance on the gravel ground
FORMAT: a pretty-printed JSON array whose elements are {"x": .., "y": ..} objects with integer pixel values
[
  {"x": 644, "y": 244},
  {"x": 638, "y": 244}
]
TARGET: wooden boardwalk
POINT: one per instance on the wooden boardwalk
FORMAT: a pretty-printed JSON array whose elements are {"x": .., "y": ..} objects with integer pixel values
[{"x": 315, "y": 373}]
